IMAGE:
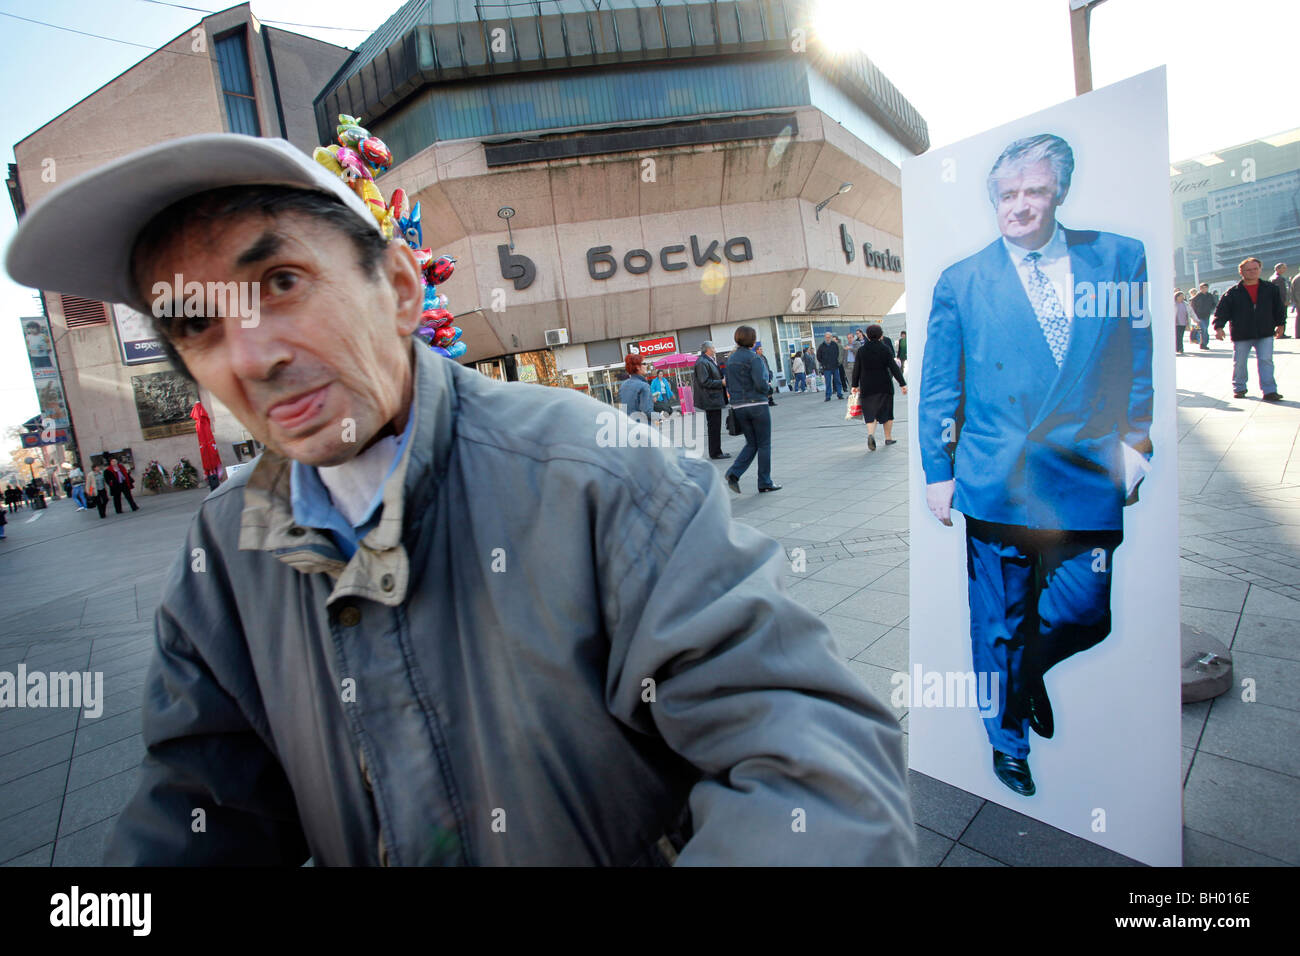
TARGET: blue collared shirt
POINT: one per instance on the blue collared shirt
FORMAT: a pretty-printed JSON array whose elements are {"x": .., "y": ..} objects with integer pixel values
[{"x": 313, "y": 507}]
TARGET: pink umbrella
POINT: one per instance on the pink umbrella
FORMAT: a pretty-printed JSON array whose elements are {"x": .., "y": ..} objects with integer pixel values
[
  {"x": 676, "y": 360},
  {"x": 208, "y": 453}
]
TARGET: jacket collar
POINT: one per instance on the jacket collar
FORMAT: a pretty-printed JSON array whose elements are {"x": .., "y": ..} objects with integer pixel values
[{"x": 380, "y": 569}]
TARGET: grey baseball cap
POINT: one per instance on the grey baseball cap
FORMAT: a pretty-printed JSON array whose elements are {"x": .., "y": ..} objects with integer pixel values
[{"x": 79, "y": 238}]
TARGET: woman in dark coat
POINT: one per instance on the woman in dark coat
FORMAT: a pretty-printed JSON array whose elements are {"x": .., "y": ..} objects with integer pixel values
[{"x": 873, "y": 374}]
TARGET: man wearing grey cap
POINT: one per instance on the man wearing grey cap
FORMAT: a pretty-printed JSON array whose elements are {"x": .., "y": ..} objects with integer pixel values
[{"x": 441, "y": 622}]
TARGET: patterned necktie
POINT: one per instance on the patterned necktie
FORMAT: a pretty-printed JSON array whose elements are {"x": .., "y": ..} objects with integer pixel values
[{"x": 1051, "y": 317}]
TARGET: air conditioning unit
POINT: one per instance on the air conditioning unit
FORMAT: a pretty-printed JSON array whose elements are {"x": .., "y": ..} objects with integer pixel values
[
  {"x": 823, "y": 300},
  {"x": 556, "y": 337}
]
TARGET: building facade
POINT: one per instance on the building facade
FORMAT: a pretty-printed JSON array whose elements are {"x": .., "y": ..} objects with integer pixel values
[
  {"x": 630, "y": 174},
  {"x": 1234, "y": 203},
  {"x": 228, "y": 73}
]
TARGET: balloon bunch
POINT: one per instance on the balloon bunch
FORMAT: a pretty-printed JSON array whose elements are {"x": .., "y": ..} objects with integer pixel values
[{"x": 357, "y": 160}]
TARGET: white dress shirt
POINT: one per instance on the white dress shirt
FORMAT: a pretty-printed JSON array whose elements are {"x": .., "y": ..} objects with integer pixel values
[{"x": 1055, "y": 264}]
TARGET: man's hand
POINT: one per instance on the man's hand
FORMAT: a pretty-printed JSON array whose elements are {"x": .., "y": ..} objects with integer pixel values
[
  {"x": 1218, "y": 334},
  {"x": 938, "y": 498},
  {"x": 904, "y": 388}
]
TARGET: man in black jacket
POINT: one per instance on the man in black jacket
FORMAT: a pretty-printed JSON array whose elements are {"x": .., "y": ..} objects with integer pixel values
[
  {"x": 1254, "y": 311},
  {"x": 710, "y": 396},
  {"x": 1279, "y": 280},
  {"x": 828, "y": 357}
]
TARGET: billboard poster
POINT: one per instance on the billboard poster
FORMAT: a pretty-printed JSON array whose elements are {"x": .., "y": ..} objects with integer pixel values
[
  {"x": 1043, "y": 488},
  {"x": 136, "y": 337},
  {"x": 45, "y": 375}
]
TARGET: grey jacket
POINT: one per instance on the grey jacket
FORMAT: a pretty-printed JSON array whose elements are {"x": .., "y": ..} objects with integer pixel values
[{"x": 521, "y": 664}]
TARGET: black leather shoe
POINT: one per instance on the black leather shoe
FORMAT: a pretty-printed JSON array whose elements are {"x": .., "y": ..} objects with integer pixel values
[
  {"x": 725, "y": 454},
  {"x": 771, "y": 488},
  {"x": 1238, "y": 394},
  {"x": 871, "y": 442},
  {"x": 733, "y": 484},
  {"x": 891, "y": 441},
  {"x": 1014, "y": 772},
  {"x": 1272, "y": 397},
  {"x": 1038, "y": 708}
]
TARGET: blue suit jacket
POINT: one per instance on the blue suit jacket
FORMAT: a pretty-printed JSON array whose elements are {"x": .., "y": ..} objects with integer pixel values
[{"x": 1028, "y": 443}]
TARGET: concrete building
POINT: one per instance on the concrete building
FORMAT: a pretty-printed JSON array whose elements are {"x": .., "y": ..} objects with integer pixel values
[
  {"x": 637, "y": 174},
  {"x": 1233, "y": 203},
  {"x": 228, "y": 73}
]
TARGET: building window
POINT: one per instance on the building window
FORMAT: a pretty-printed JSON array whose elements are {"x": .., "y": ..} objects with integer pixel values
[{"x": 237, "y": 84}]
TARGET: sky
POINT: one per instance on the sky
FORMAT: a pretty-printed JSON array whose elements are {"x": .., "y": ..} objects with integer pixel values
[{"x": 966, "y": 65}]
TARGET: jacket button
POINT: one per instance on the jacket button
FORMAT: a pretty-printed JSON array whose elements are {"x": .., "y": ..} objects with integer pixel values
[
  {"x": 297, "y": 532},
  {"x": 1012, "y": 399},
  {"x": 349, "y": 616},
  {"x": 999, "y": 366},
  {"x": 387, "y": 582}
]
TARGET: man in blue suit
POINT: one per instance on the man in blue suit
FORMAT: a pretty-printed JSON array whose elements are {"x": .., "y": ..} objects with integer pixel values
[{"x": 1035, "y": 417}]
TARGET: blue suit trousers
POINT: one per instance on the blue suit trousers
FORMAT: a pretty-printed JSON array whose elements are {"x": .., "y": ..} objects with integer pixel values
[{"x": 1036, "y": 597}]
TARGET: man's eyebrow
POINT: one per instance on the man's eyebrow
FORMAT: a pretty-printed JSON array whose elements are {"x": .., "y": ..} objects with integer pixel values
[{"x": 267, "y": 245}]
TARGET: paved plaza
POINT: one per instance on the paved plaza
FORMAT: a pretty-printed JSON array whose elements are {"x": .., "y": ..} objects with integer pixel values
[{"x": 79, "y": 593}]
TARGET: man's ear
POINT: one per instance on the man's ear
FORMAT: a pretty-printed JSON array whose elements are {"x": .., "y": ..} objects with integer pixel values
[{"x": 408, "y": 285}]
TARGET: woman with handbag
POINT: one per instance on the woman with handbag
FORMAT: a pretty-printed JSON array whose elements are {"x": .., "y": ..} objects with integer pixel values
[
  {"x": 873, "y": 375},
  {"x": 748, "y": 385}
]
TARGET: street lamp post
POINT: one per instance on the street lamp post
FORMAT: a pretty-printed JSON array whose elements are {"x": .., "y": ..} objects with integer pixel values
[
  {"x": 1080, "y": 14},
  {"x": 817, "y": 210}
]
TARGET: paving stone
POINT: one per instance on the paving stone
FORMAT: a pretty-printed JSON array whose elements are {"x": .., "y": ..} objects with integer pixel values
[
  {"x": 931, "y": 847},
  {"x": 1276, "y": 680},
  {"x": 889, "y": 650},
  {"x": 1254, "y": 733},
  {"x": 52, "y": 723},
  {"x": 879, "y": 681},
  {"x": 852, "y": 636},
  {"x": 1245, "y": 805},
  {"x": 1019, "y": 840},
  {"x": 99, "y": 801},
  {"x": 941, "y": 807},
  {"x": 25, "y": 831},
  {"x": 35, "y": 757},
  {"x": 85, "y": 847},
  {"x": 964, "y": 856},
  {"x": 878, "y": 606},
  {"x": 820, "y": 596},
  {"x": 106, "y": 761},
  {"x": 32, "y": 790},
  {"x": 41, "y": 856},
  {"x": 1202, "y": 849},
  {"x": 1268, "y": 637}
]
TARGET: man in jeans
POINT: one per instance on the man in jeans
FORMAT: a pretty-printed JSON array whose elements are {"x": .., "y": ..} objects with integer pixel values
[
  {"x": 1203, "y": 304},
  {"x": 1254, "y": 311},
  {"x": 828, "y": 357}
]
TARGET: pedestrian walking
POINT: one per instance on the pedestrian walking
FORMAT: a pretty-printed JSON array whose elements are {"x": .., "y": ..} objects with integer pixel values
[
  {"x": 97, "y": 488},
  {"x": 3, "y": 521},
  {"x": 873, "y": 380},
  {"x": 800, "y": 376},
  {"x": 710, "y": 397},
  {"x": 749, "y": 387},
  {"x": 902, "y": 351},
  {"x": 634, "y": 394},
  {"x": 1295, "y": 302},
  {"x": 1252, "y": 310},
  {"x": 810, "y": 368},
  {"x": 1283, "y": 286},
  {"x": 120, "y": 483},
  {"x": 1181, "y": 318},
  {"x": 828, "y": 357},
  {"x": 78, "y": 479},
  {"x": 1203, "y": 304}
]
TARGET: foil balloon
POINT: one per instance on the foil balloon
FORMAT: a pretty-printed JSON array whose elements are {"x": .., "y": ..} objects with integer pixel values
[
  {"x": 376, "y": 154},
  {"x": 456, "y": 351},
  {"x": 436, "y": 318},
  {"x": 354, "y": 168},
  {"x": 441, "y": 269},
  {"x": 411, "y": 229}
]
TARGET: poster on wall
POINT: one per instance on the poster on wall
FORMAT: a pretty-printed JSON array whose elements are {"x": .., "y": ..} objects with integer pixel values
[
  {"x": 162, "y": 403},
  {"x": 136, "y": 338},
  {"x": 45, "y": 373},
  {"x": 1044, "y": 489}
]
